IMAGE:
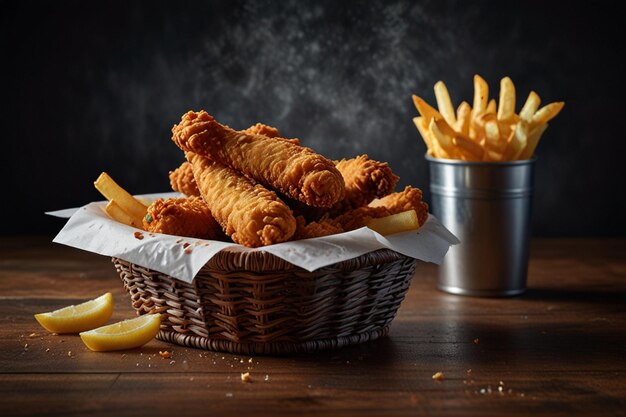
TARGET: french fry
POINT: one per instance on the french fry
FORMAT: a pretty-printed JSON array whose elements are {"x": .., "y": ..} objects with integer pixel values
[
  {"x": 533, "y": 140},
  {"x": 530, "y": 107},
  {"x": 488, "y": 131},
  {"x": 492, "y": 136},
  {"x": 425, "y": 110},
  {"x": 516, "y": 142},
  {"x": 444, "y": 103},
  {"x": 422, "y": 128},
  {"x": 481, "y": 95},
  {"x": 442, "y": 138},
  {"x": 468, "y": 148},
  {"x": 463, "y": 115},
  {"x": 506, "y": 108},
  {"x": 112, "y": 191},
  {"x": 395, "y": 223},
  {"x": 546, "y": 113},
  {"x": 116, "y": 212}
]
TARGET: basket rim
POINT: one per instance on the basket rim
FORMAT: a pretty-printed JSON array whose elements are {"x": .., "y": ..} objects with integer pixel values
[{"x": 230, "y": 259}]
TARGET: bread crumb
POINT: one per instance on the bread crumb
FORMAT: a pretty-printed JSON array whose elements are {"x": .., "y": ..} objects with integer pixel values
[
  {"x": 438, "y": 376},
  {"x": 69, "y": 353},
  {"x": 245, "y": 376},
  {"x": 32, "y": 335}
]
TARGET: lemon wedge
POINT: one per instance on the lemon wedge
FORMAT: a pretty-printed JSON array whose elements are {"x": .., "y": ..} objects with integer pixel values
[
  {"x": 78, "y": 318},
  {"x": 125, "y": 334}
]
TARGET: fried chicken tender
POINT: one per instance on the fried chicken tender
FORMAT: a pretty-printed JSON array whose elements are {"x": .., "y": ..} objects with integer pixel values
[
  {"x": 182, "y": 180},
  {"x": 293, "y": 170},
  {"x": 359, "y": 217},
  {"x": 183, "y": 217},
  {"x": 365, "y": 180},
  {"x": 324, "y": 227},
  {"x": 409, "y": 198},
  {"x": 249, "y": 213}
]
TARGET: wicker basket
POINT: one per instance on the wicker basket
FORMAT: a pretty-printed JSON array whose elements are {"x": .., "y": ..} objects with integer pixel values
[{"x": 256, "y": 303}]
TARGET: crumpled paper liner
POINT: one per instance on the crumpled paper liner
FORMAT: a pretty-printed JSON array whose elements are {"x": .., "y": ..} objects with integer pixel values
[{"x": 91, "y": 229}]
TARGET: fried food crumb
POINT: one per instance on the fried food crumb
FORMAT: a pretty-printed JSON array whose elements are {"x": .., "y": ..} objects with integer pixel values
[
  {"x": 438, "y": 376},
  {"x": 245, "y": 377},
  {"x": 138, "y": 235},
  {"x": 165, "y": 354}
]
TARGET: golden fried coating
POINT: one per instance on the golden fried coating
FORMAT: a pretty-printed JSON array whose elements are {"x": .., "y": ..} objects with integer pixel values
[
  {"x": 182, "y": 217},
  {"x": 365, "y": 180},
  {"x": 409, "y": 198},
  {"x": 324, "y": 227},
  {"x": 359, "y": 217},
  {"x": 293, "y": 170},
  {"x": 182, "y": 180},
  {"x": 249, "y": 213}
]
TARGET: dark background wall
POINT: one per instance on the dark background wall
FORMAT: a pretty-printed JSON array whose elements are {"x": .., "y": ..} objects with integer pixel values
[{"x": 96, "y": 86}]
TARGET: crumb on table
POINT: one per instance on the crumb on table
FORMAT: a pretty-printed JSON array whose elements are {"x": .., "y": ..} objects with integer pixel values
[{"x": 438, "y": 376}]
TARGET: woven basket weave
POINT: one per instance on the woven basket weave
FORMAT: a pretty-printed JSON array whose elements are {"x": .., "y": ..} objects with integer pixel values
[{"x": 256, "y": 303}]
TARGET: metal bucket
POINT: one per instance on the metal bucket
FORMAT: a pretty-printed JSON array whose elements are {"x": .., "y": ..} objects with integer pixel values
[{"x": 487, "y": 205}]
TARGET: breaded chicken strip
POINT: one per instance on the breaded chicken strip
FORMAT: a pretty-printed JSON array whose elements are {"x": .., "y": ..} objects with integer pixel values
[
  {"x": 409, "y": 198},
  {"x": 365, "y": 180},
  {"x": 324, "y": 227},
  {"x": 249, "y": 213},
  {"x": 293, "y": 170},
  {"x": 183, "y": 217},
  {"x": 182, "y": 180}
]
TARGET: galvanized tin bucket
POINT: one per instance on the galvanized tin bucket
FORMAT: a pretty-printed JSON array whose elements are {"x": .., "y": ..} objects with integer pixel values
[{"x": 487, "y": 205}]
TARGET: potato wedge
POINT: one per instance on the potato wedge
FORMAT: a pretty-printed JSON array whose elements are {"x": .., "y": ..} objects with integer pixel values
[{"x": 396, "y": 223}]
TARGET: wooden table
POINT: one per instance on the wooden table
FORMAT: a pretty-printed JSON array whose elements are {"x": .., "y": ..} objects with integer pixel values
[{"x": 560, "y": 349}]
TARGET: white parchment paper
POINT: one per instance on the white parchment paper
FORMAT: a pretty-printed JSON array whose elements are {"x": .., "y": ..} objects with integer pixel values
[{"x": 90, "y": 228}]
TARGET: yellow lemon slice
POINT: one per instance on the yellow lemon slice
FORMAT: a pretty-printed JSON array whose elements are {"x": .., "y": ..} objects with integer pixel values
[
  {"x": 78, "y": 318},
  {"x": 125, "y": 334}
]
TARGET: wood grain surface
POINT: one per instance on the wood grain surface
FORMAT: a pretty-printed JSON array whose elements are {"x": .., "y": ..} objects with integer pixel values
[{"x": 560, "y": 349}]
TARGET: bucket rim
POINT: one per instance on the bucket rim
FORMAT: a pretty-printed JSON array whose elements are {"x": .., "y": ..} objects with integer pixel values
[{"x": 444, "y": 161}]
